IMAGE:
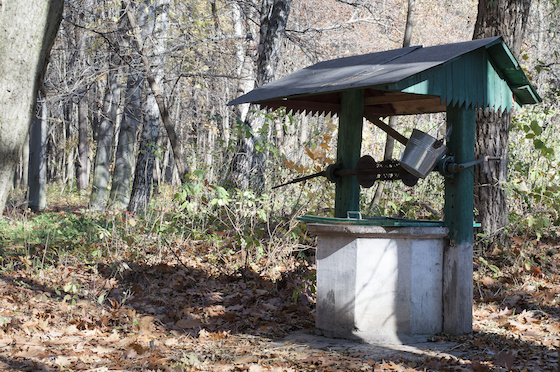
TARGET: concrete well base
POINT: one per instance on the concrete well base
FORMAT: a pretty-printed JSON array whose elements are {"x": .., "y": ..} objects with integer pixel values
[{"x": 379, "y": 284}]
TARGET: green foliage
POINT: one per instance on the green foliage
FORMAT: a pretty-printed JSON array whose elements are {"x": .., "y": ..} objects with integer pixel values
[
  {"x": 40, "y": 240},
  {"x": 495, "y": 269},
  {"x": 240, "y": 219},
  {"x": 534, "y": 182},
  {"x": 304, "y": 288},
  {"x": 57, "y": 231}
]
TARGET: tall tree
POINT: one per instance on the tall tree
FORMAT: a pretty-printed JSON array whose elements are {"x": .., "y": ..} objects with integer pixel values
[
  {"x": 144, "y": 170},
  {"x": 145, "y": 48},
  {"x": 153, "y": 17},
  {"x": 37, "y": 191},
  {"x": 248, "y": 163},
  {"x": 28, "y": 29},
  {"x": 105, "y": 136},
  {"x": 507, "y": 18},
  {"x": 124, "y": 159},
  {"x": 82, "y": 163},
  {"x": 82, "y": 166},
  {"x": 108, "y": 124}
]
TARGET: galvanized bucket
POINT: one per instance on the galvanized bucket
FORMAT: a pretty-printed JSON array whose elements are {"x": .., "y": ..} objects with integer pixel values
[{"x": 421, "y": 153}]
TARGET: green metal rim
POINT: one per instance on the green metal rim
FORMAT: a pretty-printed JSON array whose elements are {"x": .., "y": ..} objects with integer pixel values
[{"x": 371, "y": 221}]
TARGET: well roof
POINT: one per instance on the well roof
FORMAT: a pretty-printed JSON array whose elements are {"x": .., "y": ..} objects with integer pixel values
[{"x": 410, "y": 80}]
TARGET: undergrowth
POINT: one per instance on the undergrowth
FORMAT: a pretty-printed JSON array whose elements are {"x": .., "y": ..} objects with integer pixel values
[{"x": 259, "y": 230}]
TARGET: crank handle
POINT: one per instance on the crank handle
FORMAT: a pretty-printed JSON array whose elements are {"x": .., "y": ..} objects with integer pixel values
[{"x": 456, "y": 168}]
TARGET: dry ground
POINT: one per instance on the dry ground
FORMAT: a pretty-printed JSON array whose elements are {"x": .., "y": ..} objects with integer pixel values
[{"x": 183, "y": 307}]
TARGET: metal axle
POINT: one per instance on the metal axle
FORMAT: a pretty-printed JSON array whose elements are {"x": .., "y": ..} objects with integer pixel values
[{"x": 367, "y": 172}]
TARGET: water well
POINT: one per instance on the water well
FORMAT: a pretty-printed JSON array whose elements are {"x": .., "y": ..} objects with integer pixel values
[{"x": 386, "y": 280}]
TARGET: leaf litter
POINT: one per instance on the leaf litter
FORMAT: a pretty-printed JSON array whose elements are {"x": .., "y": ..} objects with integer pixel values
[{"x": 180, "y": 311}]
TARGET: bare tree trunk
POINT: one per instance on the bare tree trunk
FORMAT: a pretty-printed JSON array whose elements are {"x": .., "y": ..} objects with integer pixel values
[
  {"x": 245, "y": 68},
  {"x": 105, "y": 138},
  {"x": 124, "y": 160},
  {"x": 65, "y": 165},
  {"x": 124, "y": 163},
  {"x": 249, "y": 162},
  {"x": 70, "y": 156},
  {"x": 166, "y": 174},
  {"x": 22, "y": 169},
  {"x": 37, "y": 193},
  {"x": 82, "y": 166},
  {"x": 507, "y": 18},
  {"x": 143, "y": 173},
  {"x": 143, "y": 47},
  {"x": 155, "y": 25},
  {"x": 82, "y": 163},
  {"x": 28, "y": 29}
]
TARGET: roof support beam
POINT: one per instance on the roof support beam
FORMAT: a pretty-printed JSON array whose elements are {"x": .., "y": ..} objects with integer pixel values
[
  {"x": 385, "y": 127},
  {"x": 397, "y": 97},
  {"x": 349, "y": 147},
  {"x": 458, "y": 211}
]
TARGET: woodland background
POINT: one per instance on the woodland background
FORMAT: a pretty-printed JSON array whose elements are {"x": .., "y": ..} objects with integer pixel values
[
  {"x": 101, "y": 118},
  {"x": 117, "y": 264}
]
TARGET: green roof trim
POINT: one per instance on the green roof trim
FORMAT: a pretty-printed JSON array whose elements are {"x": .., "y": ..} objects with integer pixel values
[
  {"x": 488, "y": 77},
  {"x": 476, "y": 73}
]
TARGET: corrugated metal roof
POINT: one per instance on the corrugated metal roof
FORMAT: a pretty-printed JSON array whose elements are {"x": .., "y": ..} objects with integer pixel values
[{"x": 406, "y": 81}]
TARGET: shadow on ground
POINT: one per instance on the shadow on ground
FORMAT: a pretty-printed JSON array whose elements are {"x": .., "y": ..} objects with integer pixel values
[{"x": 191, "y": 300}]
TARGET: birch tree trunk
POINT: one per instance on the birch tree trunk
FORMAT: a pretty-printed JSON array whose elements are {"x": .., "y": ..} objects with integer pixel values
[
  {"x": 153, "y": 16},
  {"x": 144, "y": 48},
  {"x": 105, "y": 137},
  {"x": 28, "y": 29},
  {"x": 509, "y": 19},
  {"x": 249, "y": 161},
  {"x": 124, "y": 163},
  {"x": 82, "y": 163}
]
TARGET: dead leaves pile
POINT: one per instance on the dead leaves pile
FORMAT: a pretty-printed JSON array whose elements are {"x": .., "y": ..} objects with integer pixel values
[{"x": 191, "y": 315}]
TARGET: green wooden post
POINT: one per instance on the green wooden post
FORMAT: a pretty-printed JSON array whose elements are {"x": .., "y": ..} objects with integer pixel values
[
  {"x": 458, "y": 210},
  {"x": 347, "y": 192}
]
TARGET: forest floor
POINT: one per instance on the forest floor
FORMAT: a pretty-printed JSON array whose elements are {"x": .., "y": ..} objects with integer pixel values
[{"x": 186, "y": 307}]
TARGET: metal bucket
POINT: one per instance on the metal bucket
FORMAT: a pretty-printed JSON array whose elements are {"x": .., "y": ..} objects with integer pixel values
[{"x": 421, "y": 153}]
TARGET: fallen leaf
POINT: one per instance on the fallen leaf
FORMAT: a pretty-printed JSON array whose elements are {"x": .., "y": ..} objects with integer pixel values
[
  {"x": 72, "y": 330},
  {"x": 488, "y": 281},
  {"x": 246, "y": 359},
  {"x": 478, "y": 367},
  {"x": 134, "y": 350},
  {"x": 32, "y": 351},
  {"x": 114, "y": 337},
  {"x": 535, "y": 271},
  {"x": 217, "y": 310},
  {"x": 5, "y": 341},
  {"x": 505, "y": 359},
  {"x": 146, "y": 325},
  {"x": 169, "y": 342},
  {"x": 189, "y": 322},
  {"x": 102, "y": 350},
  {"x": 518, "y": 240},
  {"x": 65, "y": 361}
]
